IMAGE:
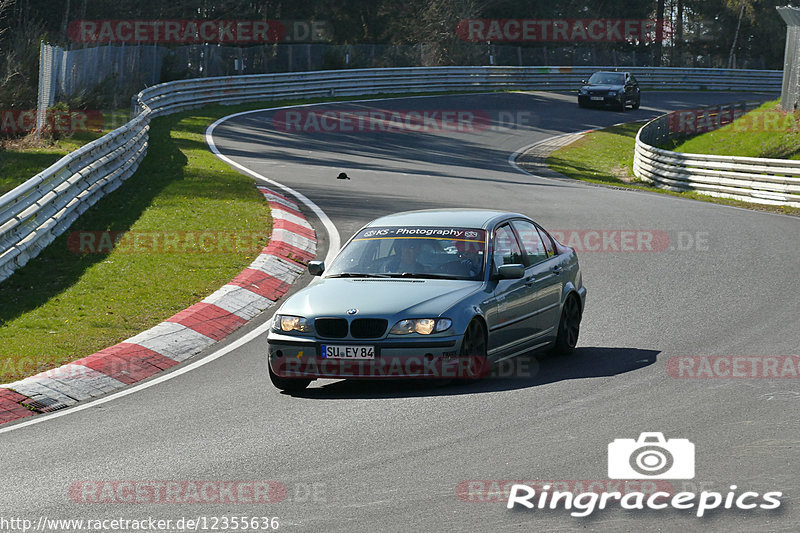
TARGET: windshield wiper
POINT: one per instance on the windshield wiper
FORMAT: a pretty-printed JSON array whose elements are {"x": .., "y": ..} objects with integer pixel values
[
  {"x": 358, "y": 275},
  {"x": 421, "y": 275}
]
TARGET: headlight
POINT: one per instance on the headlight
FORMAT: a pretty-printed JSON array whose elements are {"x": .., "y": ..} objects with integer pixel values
[
  {"x": 291, "y": 323},
  {"x": 583, "y": 91},
  {"x": 423, "y": 326}
]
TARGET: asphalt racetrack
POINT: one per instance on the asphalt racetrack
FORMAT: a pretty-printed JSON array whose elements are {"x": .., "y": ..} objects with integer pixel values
[{"x": 668, "y": 279}]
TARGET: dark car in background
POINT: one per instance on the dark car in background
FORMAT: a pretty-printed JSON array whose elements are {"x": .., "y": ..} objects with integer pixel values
[{"x": 610, "y": 89}]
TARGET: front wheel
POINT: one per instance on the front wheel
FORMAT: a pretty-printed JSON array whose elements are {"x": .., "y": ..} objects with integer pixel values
[
  {"x": 568, "y": 327},
  {"x": 287, "y": 384},
  {"x": 638, "y": 101},
  {"x": 474, "y": 359}
]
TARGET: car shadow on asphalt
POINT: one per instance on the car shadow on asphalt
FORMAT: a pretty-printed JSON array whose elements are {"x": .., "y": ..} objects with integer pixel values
[{"x": 518, "y": 373}]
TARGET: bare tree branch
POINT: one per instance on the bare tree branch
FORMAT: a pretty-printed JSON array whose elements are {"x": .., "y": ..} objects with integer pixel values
[{"x": 4, "y": 5}]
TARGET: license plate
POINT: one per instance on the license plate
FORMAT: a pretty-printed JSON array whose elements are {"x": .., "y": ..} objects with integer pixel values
[
  {"x": 595, "y": 97},
  {"x": 340, "y": 351}
]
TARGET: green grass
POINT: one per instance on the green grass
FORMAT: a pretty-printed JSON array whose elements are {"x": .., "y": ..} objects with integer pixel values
[
  {"x": 763, "y": 132},
  {"x": 62, "y": 305},
  {"x": 602, "y": 156}
]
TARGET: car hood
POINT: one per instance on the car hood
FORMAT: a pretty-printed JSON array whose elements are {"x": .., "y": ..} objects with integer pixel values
[
  {"x": 603, "y": 87},
  {"x": 403, "y": 298}
]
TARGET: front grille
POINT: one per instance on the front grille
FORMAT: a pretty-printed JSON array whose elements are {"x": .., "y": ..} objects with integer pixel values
[
  {"x": 334, "y": 328},
  {"x": 368, "y": 328}
]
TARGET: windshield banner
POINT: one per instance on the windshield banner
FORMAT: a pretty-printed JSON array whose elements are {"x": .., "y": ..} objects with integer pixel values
[{"x": 411, "y": 232}]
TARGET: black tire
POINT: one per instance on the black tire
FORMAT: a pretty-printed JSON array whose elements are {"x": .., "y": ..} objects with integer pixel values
[
  {"x": 287, "y": 384},
  {"x": 474, "y": 347},
  {"x": 568, "y": 327},
  {"x": 622, "y": 105},
  {"x": 638, "y": 101}
]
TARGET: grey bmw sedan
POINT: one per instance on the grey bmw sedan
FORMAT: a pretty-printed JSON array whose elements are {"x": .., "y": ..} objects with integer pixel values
[{"x": 442, "y": 293}]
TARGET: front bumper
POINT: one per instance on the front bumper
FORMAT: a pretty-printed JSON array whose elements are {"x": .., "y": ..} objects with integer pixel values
[
  {"x": 434, "y": 358},
  {"x": 586, "y": 100}
]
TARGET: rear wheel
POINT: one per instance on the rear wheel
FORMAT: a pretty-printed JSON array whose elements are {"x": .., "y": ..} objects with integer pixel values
[
  {"x": 568, "y": 327},
  {"x": 287, "y": 384}
]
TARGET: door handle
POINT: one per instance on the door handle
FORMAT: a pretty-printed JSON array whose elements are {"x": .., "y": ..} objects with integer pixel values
[
  {"x": 530, "y": 282},
  {"x": 557, "y": 269}
]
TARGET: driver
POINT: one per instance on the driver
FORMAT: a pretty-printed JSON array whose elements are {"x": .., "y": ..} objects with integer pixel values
[{"x": 406, "y": 257}]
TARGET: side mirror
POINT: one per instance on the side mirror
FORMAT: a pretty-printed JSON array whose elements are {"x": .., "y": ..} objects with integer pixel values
[
  {"x": 316, "y": 268},
  {"x": 513, "y": 271}
]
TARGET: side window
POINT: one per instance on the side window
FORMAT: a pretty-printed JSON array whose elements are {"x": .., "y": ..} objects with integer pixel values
[
  {"x": 506, "y": 247},
  {"x": 549, "y": 245},
  {"x": 533, "y": 248}
]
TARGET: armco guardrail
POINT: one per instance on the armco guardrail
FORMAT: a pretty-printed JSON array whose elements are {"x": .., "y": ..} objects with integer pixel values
[
  {"x": 33, "y": 214},
  {"x": 39, "y": 210},
  {"x": 748, "y": 179},
  {"x": 173, "y": 96}
]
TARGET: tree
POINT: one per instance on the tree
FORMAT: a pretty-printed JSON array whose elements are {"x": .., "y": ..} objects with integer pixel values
[{"x": 659, "y": 33}]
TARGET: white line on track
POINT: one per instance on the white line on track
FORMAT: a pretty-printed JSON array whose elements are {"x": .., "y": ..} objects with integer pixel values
[{"x": 334, "y": 241}]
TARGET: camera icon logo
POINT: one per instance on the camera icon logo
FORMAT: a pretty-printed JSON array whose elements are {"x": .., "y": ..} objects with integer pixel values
[{"x": 651, "y": 456}]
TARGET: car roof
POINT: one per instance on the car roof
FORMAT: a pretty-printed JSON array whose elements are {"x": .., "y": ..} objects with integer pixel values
[{"x": 453, "y": 218}]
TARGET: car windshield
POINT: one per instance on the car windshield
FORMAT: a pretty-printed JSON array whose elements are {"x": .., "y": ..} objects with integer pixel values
[
  {"x": 414, "y": 252},
  {"x": 606, "y": 78}
]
